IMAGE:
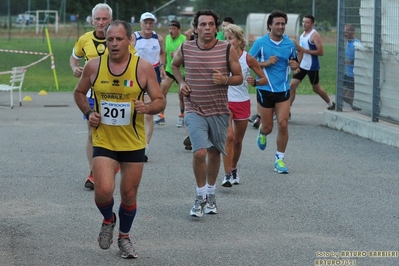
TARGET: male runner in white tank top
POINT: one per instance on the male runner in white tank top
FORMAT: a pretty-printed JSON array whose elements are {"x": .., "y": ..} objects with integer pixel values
[
  {"x": 311, "y": 47},
  {"x": 150, "y": 46}
]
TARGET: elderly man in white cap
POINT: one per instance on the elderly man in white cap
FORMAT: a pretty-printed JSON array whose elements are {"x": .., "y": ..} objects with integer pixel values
[{"x": 150, "y": 46}]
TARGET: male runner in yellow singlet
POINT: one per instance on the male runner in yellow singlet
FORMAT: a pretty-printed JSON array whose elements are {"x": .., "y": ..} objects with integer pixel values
[
  {"x": 88, "y": 46},
  {"x": 119, "y": 81}
]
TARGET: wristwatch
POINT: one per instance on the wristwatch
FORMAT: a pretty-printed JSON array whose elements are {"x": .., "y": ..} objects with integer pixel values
[{"x": 87, "y": 114}]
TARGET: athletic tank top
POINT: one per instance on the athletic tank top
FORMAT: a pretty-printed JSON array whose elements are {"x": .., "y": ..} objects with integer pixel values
[
  {"x": 240, "y": 93},
  {"x": 121, "y": 127},
  {"x": 206, "y": 98},
  {"x": 309, "y": 62},
  {"x": 90, "y": 46},
  {"x": 170, "y": 47},
  {"x": 148, "y": 49}
]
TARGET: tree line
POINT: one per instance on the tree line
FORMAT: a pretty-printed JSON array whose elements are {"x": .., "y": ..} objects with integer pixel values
[{"x": 325, "y": 11}]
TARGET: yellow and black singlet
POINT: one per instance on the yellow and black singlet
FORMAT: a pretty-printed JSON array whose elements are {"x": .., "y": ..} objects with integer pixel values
[{"x": 121, "y": 127}]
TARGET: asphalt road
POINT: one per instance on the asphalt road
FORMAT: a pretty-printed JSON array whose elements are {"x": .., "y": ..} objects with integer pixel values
[{"x": 341, "y": 195}]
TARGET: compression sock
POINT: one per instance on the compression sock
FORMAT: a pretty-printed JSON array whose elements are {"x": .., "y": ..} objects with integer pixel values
[
  {"x": 106, "y": 211},
  {"x": 126, "y": 217}
]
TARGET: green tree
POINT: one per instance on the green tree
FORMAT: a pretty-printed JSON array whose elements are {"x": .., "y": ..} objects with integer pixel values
[
  {"x": 121, "y": 9},
  {"x": 325, "y": 10}
]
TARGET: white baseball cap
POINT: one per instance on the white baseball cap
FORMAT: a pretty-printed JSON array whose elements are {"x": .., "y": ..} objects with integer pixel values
[{"x": 147, "y": 15}]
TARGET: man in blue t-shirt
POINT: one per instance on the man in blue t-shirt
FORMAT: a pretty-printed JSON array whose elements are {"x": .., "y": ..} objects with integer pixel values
[
  {"x": 276, "y": 55},
  {"x": 349, "y": 78}
]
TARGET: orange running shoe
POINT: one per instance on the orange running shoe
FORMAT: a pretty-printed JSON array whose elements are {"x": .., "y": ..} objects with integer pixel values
[
  {"x": 89, "y": 184},
  {"x": 118, "y": 169}
]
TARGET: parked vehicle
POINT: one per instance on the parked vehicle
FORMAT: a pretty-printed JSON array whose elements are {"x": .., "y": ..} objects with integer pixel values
[{"x": 25, "y": 18}]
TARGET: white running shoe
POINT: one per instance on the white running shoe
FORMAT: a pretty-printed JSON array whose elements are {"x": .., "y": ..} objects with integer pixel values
[
  {"x": 126, "y": 248},
  {"x": 210, "y": 207},
  {"x": 180, "y": 122},
  {"x": 198, "y": 208},
  {"x": 227, "y": 181},
  {"x": 235, "y": 178}
]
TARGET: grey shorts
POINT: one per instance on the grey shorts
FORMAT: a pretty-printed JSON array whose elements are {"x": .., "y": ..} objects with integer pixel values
[{"x": 207, "y": 131}]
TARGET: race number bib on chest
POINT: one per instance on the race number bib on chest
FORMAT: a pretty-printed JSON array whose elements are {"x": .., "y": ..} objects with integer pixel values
[{"x": 115, "y": 113}]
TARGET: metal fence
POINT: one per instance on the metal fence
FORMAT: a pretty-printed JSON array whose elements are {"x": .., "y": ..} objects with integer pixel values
[{"x": 375, "y": 64}]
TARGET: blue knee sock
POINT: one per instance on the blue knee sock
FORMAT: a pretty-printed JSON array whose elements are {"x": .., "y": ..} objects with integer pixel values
[
  {"x": 106, "y": 210},
  {"x": 126, "y": 217}
]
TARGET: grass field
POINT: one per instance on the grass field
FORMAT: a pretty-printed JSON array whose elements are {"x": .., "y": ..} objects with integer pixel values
[{"x": 41, "y": 77}]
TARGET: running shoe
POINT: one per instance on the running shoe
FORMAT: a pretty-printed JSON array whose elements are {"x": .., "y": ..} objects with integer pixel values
[
  {"x": 126, "y": 248},
  {"x": 187, "y": 143},
  {"x": 235, "y": 178},
  {"x": 180, "y": 122},
  {"x": 159, "y": 121},
  {"x": 226, "y": 181},
  {"x": 252, "y": 118},
  {"x": 106, "y": 234},
  {"x": 279, "y": 167},
  {"x": 146, "y": 155},
  {"x": 89, "y": 183},
  {"x": 262, "y": 141},
  {"x": 210, "y": 207},
  {"x": 332, "y": 107},
  {"x": 198, "y": 208},
  {"x": 256, "y": 122},
  {"x": 118, "y": 169}
]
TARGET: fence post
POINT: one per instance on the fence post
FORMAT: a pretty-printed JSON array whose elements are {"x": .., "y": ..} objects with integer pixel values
[
  {"x": 377, "y": 59},
  {"x": 340, "y": 55}
]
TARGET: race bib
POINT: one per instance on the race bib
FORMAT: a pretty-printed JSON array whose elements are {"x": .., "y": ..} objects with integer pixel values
[{"x": 115, "y": 113}]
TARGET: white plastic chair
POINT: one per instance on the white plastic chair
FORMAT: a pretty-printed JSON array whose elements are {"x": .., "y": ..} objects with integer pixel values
[{"x": 16, "y": 81}]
